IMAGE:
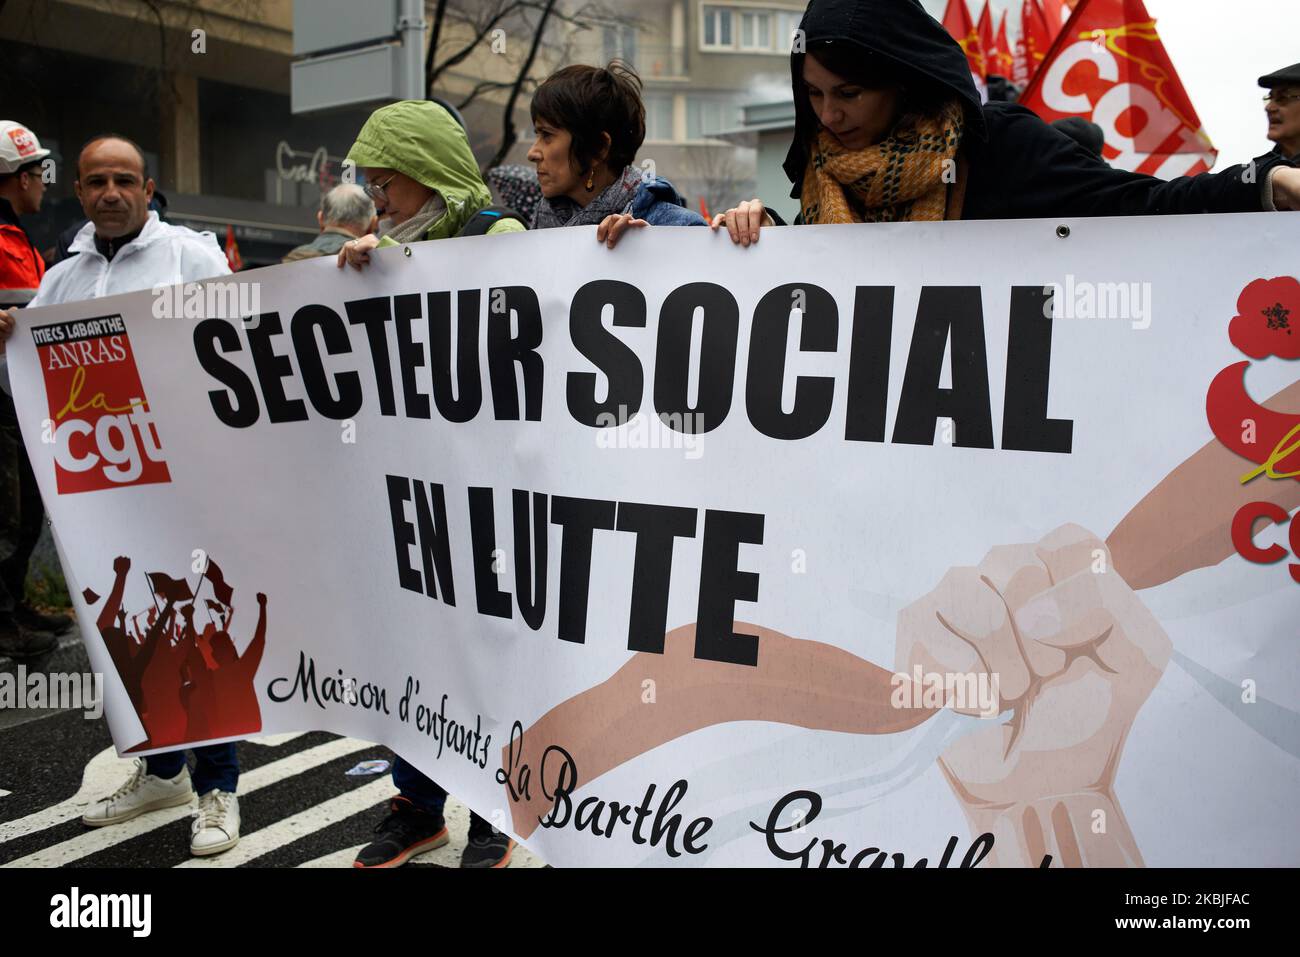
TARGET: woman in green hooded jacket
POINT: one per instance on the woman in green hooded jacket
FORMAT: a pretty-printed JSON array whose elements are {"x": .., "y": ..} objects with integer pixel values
[
  {"x": 425, "y": 183},
  {"x": 422, "y": 176}
]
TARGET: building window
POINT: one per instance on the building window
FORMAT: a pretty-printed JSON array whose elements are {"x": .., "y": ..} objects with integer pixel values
[
  {"x": 658, "y": 117},
  {"x": 786, "y": 25},
  {"x": 748, "y": 29},
  {"x": 717, "y": 27},
  {"x": 707, "y": 116},
  {"x": 620, "y": 43},
  {"x": 755, "y": 31}
]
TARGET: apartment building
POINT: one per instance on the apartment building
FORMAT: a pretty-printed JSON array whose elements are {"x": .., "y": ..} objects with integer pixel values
[
  {"x": 702, "y": 61},
  {"x": 203, "y": 87}
]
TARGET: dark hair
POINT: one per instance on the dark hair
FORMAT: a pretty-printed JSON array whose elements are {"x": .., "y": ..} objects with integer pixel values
[
  {"x": 588, "y": 101},
  {"x": 144, "y": 167},
  {"x": 919, "y": 97}
]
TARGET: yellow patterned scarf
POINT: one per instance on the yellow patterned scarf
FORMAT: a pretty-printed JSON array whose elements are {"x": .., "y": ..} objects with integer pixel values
[{"x": 900, "y": 179}]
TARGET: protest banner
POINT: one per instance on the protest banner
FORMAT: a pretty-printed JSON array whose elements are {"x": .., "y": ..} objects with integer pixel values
[{"x": 964, "y": 542}]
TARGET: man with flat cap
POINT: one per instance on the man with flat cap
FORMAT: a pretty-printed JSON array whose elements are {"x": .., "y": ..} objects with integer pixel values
[{"x": 1283, "y": 108}]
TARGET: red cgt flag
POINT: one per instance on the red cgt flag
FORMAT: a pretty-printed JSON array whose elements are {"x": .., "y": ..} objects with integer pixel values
[
  {"x": 1035, "y": 37},
  {"x": 233, "y": 259},
  {"x": 988, "y": 40},
  {"x": 957, "y": 21},
  {"x": 1021, "y": 70},
  {"x": 1109, "y": 66},
  {"x": 1002, "y": 61},
  {"x": 1052, "y": 16}
]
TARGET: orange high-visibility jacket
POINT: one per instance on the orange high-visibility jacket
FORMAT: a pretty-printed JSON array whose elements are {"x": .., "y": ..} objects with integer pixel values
[{"x": 21, "y": 266}]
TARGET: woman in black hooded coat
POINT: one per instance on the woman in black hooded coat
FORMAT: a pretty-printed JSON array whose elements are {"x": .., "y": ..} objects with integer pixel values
[{"x": 889, "y": 127}]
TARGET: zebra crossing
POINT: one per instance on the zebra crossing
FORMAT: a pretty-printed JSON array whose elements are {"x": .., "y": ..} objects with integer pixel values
[{"x": 298, "y": 805}]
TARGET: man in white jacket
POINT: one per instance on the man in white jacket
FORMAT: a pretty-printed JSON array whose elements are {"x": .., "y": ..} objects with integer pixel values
[{"x": 125, "y": 248}]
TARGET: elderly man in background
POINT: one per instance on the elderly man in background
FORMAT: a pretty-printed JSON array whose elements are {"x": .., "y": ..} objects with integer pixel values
[
  {"x": 1283, "y": 108},
  {"x": 346, "y": 212}
]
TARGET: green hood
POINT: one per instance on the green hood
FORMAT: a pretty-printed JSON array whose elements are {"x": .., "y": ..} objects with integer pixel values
[{"x": 422, "y": 140}]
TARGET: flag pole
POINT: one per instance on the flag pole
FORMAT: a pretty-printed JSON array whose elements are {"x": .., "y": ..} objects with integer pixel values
[
  {"x": 194, "y": 592},
  {"x": 152, "y": 593}
]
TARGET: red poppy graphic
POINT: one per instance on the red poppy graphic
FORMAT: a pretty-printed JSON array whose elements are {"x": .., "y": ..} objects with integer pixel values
[{"x": 1268, "y": 319}]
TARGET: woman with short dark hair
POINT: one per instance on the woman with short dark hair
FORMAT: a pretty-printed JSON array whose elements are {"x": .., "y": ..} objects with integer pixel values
[
  {"x": 889, "y": 128},
  {"x": 590, "y": 122}
]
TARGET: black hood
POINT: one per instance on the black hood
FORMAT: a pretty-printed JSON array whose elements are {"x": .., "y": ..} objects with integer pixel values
[{"x": 897, "y": 33}]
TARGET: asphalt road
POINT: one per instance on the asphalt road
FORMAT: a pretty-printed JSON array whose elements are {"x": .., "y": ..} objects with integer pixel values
[{"x": 298, "y": 805}]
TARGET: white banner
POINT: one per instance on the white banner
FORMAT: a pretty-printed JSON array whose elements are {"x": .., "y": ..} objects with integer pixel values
[{"x": 862, "y": 546}]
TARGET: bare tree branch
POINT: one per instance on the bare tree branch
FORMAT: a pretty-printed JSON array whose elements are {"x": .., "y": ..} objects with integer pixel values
[
  {"x": 460, "y": 27},
  {"x": 435, "y": 31},
  {"x": 720, "y": 175},
  {"x": 483, "y": 86},
  {"x": 509, "y": 135},
  {"x": 588, "y": 16},
  {"x": 466, "y": 51}
]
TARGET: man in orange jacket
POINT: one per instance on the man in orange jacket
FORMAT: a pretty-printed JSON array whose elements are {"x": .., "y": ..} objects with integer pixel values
[
  {"x": 22, "y": 187},
  {"x": 24, "y": 632}
]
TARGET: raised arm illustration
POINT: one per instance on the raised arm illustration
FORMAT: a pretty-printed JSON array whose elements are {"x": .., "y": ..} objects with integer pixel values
[
  {"x": 113, "y": 603},
  {"x": 252, "y": 656}
]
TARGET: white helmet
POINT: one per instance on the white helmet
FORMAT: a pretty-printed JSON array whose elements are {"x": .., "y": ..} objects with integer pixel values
[{"x": 18, "y": 146}]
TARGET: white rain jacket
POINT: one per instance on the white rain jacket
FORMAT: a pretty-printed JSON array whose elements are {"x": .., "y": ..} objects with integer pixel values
[{"x": 161, "y": 255}]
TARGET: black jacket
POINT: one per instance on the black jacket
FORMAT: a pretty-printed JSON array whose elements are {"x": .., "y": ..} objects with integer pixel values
[
  {"x": 1019, "y": 167},
  {"x": 1028, "y": 170}
]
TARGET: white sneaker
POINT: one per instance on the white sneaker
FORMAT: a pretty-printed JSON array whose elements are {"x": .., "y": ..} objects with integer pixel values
[
  {"x": 142, "y": 792},
  {"x": 216, "y": 823}
]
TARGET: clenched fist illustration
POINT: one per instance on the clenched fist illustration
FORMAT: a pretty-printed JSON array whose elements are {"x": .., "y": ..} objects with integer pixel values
[{"x": 1073, "y": 654}]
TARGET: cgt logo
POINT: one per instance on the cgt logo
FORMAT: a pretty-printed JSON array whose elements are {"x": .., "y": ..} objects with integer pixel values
[
  {"x": 1265, "y": 326},
  {"x": 1120, "y": 77},
  {"x": 23, "y": 141},
  {"x": 100, "y": 424}
]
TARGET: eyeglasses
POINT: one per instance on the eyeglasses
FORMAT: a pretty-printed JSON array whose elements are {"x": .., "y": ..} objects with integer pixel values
[
  {"x": 1281, "y": 99},
  {"x": 376, "y": 190}
]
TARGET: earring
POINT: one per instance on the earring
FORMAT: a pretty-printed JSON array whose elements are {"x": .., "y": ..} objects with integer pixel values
[{"x": 591, "y": 179}]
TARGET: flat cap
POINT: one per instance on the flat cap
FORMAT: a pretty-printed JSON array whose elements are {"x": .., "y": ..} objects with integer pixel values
[{"x": 1289, "y": 76}]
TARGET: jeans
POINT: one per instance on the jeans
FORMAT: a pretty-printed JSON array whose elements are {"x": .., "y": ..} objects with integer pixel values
[
  {"x": 215, "y": 766},
  {"x": 31, "y": 513},
  {"x": 421, "y": 790}
]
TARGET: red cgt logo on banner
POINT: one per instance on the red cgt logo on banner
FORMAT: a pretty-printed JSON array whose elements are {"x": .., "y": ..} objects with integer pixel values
[
  {"x": 1109, "y": 66},
  {"x": 100, "y": 425},
  {"x": 1265, "y": 326}
]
